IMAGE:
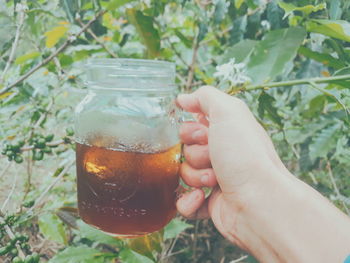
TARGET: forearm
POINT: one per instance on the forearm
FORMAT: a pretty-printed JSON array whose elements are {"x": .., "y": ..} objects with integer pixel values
[{"x": 293, "y": 223}]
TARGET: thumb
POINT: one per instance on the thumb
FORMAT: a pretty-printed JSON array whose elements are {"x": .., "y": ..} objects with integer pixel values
[
  {"x": 200, "y": 101},
  {"x": 211, "y": 102}
]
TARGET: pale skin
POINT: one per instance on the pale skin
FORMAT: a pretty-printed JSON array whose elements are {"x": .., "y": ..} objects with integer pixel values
[{"x": 256, "y": 203}]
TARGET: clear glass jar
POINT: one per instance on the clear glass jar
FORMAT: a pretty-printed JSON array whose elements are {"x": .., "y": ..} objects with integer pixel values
[{"x": 127, "y": 146}]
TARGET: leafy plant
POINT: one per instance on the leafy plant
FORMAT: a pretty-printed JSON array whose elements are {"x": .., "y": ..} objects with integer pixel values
[{"x": 295, "y": 54}]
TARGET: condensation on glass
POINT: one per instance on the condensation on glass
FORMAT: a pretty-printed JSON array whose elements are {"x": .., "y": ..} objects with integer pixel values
[{"x": 127, "y": 146}]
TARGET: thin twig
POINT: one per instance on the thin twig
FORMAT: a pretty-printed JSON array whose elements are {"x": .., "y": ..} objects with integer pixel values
[
  {"x": 192, "y": 66},
  {"x": 29, "y": 179},
  {"x": 97, "y": 39},
  {"x": 336, "y": 189},
  {"x": 53, "y": 183},
  {"x": 195, "y": 240},
  {"x": 10, "y": 193},
  {"x": 239, "y": 259},
  {"x": 43, "y": 116},
  {"x": 290, "y": 83},
  {"x": 69, "y": 41},
  {"x": 21, "y": 16}
]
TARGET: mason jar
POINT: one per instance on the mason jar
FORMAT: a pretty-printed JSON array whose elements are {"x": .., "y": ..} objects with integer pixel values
[{"x": 127, "y": 146}]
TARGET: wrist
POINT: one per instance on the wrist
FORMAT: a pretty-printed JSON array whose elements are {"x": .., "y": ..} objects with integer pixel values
[{"x": 288, "y": 221}]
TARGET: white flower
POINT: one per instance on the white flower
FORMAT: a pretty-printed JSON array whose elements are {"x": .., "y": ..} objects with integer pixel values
[
  {"x": 235, "y": 74},
  {"x": 266, "y": 25}
]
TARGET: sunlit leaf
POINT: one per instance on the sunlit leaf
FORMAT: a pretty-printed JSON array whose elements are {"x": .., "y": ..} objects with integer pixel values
[
  {"x": 146, "y": 30},
  {"x": 54, "y": 35},
  {"x": 174, "y": 228},
  {"x": 147, "y": 245},
  {"x": 271, "y": 55},
  {"x": 240, "y": 51},
  {"x": 339, "y": 29},
  {"x": 5, "y": 95},
  {"x": 82, "y": 254},
  {"x": 52, "y": 228},
  {"x": 308, "y": 9},
  {"x": 26, "y": 57},
  {"x": 238, "y": 3},
  {"x": 127, "y": 255}
]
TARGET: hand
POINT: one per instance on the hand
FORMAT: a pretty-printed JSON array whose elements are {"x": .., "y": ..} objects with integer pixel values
[{"x": 255, "y": 203}]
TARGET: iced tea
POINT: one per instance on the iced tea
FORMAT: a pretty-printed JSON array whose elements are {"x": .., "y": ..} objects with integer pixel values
[{"x": 127, "y": 193}]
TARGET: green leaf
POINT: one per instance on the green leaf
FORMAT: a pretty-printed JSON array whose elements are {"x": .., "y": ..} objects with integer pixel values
[
  {"x": 339, "y": 29},
  {"x": 316, "y": 106},
  {"x": 241, "y": 51},
  {"x": 305, "y": 162},
  {"x": 220, "y": 11},
  {"x": 147, "y": 245},
  {"x": 174, "y": 228},
  {"x": 26, "y": 57},
  {"x": 82, "y": 254},
  {"x": 274, "y": 15},
  {"x": 52, "y": 228},
  {"x": 266, "y": 104},
  {"x": 203, "y": 30},
  {"x": 273, "y": 53},
  {"x": 325, "y": 59},
  {"x": 238, "y": 29},
  {"x": 324, "y": 142},
  {"x": 187, "y": 42},
  {"x": 96, "y": 235},
  {"x": 114, "y": 4},
  {"x": 70, "y": 8},
  {"x": 307, "y": 10},
  {"x": 127, "y": 255},
  {"x": 238, "y": 3},
  {"x": 144, "y": 27},
  {"x": 335, "y": 10},
  {"x": 54, "y": 35}
]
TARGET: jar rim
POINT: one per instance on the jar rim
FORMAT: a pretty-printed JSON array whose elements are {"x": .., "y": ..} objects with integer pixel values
[
  {"x": 120, "y": 63},
  {"x": 130, "y": 74}
]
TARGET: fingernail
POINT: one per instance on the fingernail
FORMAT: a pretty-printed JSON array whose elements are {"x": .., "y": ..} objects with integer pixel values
[
  {"x": 191, "y": 197},
  {"x": 197, "y": 134},
  {"x": 205, "y": 179}
]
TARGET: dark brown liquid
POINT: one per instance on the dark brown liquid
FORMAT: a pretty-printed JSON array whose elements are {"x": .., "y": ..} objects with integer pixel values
[{"x": 127, "y": 193}]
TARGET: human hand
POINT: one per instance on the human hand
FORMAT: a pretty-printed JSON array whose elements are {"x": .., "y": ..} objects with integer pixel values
[
  {"x": 231, "y": 153},
  {"x": 256, "y": 202}
]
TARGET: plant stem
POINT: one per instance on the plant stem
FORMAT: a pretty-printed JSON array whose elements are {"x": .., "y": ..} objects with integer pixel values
[
  {"x": 69, "y": 41},
  {"x": 193, "y": 64},
  {"x": 298, "y": 82},
  {"x": 15, "y": 43}
]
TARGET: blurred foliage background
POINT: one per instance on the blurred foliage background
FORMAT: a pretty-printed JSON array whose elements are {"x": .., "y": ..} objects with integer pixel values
[{"x": 289, "y": 60}]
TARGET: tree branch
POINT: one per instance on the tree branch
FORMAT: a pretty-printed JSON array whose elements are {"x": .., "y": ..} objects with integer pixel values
[
  {"x": 69, "y": 41},
  {"x": 15, "y": 42},
  {"x": 234, "y": 90}
]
